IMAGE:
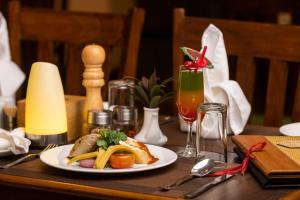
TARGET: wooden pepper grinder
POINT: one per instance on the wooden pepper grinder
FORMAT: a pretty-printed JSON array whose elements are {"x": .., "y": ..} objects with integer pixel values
[{"x": 93, "y": 57}]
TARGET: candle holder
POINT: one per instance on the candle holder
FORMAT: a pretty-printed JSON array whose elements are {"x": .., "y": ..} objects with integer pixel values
[{"x": 45, "y": 109}]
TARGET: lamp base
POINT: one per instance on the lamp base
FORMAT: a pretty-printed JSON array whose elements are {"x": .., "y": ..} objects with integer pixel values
[{"x": 44, "y": 140}]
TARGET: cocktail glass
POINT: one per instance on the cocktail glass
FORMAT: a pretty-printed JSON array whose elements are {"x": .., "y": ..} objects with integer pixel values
[{"x": 189, "y": 95}]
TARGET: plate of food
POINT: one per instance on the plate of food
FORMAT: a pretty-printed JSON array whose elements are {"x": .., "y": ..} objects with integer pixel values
[
  {"x": 292, "y": 129},
  {"x": 108, "y": 152}
]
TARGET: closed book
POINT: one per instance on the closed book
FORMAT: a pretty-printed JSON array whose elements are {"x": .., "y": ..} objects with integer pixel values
[{"x": 274, "y": 166}]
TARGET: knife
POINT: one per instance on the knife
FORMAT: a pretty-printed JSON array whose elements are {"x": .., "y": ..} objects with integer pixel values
[{"x": 206, "y": 187}]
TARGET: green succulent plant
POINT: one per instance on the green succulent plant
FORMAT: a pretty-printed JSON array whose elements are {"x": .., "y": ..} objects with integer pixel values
[{"x": 150, "y": 93}]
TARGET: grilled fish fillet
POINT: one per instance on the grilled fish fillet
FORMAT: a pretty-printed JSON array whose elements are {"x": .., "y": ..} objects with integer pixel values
[{"x": 85, "y": 144}]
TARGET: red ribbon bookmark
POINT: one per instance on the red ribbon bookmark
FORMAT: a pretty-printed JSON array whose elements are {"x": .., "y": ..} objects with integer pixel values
[{"x": 243, "y": 167}]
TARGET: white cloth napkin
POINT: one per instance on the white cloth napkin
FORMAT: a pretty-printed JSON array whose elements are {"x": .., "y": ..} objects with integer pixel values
[
  {"x": 14, "y": 141},
  {"x": 11, "y": 77},
  {"x": 218, "y": 88}
]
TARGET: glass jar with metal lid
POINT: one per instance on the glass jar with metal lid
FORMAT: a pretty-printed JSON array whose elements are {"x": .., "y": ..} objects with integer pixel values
[
  {"x": 125, "y": 120},
  {"x": 99, "y": 120}
]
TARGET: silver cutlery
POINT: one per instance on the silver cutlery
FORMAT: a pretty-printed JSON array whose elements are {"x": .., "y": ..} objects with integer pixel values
[
  {"x": 201, "y": 169},
  {"x": 32, "y": 155},
  {"x": 207, "y": 186}
]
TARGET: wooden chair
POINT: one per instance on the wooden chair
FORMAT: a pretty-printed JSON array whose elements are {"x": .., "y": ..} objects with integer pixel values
[
  {"x": 248, "y": 41},
  {"x": 74, "y": 30}
]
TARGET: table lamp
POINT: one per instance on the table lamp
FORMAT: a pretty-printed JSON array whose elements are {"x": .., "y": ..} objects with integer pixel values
[{"x": 45, "y": 108}]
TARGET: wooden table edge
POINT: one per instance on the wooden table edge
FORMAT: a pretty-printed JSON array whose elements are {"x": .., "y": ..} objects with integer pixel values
[{"x": 70, "y": 188}]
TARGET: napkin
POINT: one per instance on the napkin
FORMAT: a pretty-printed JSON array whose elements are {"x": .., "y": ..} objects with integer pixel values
[
  {"x": 219, "y": 89},
  {"x": 11, "y": 77},
  {"x": 14, "y": 141}
]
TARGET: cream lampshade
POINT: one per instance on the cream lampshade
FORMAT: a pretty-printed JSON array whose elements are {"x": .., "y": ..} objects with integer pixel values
[{"x": 45, "y": 108}]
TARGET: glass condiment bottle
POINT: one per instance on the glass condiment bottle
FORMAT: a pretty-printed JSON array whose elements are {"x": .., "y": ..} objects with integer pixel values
[
  {"x": 99, "y": 120},
  {"x": 120, "y": 92},
  {"x": 125, "y": 120}
]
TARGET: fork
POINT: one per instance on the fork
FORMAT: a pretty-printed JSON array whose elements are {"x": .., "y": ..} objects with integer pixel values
[{"x": 32, "y": 155}]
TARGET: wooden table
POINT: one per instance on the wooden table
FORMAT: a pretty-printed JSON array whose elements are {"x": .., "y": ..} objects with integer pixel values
[{"x": 35, "y": 179}]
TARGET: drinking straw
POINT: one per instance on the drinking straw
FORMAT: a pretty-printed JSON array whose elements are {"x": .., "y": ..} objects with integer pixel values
[
  {"x": 200, "y": 63},
  {"x": 197, "y": 63},
  {"x": 202, "y": 56}
]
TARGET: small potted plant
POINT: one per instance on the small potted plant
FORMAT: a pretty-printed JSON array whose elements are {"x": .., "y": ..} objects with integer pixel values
[{"x": 150, "y": 93}]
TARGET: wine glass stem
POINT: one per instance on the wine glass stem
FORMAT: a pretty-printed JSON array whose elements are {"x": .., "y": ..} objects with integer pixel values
[{"x": 189, "y": 141}]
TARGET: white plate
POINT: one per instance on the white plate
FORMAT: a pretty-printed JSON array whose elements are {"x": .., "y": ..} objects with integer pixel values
[
  {"x": 57, "y": 157},
  {"x": 5, "y": 153},
  {"x": 290, "y": 129}
]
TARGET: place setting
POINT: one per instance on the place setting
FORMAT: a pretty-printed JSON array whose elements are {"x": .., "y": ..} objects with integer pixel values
[
  {"x": 110, "y": 139},
  {"x": 110, "y": 125}
]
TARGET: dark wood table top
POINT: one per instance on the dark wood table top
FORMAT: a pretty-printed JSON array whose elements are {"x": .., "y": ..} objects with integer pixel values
[{"x": 35, "y": 178}]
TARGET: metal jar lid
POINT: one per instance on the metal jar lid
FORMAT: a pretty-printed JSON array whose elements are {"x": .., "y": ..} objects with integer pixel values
[
  {"x": 125, "y": 113},
  {"x": 99, "y": 117}
]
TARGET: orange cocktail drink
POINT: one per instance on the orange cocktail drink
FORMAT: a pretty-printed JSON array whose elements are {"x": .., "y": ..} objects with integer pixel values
[{"x": 190, "y": 93}]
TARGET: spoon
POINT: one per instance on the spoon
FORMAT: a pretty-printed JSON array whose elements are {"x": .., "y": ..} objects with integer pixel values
[{"x": 202, "y": 168}]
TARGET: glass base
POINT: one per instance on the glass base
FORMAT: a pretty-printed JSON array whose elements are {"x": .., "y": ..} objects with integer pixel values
[{"x": 187, "y": 152}]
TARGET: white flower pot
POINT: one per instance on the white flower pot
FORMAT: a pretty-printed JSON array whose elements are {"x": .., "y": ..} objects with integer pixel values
[{"x": 150, "y": 132}]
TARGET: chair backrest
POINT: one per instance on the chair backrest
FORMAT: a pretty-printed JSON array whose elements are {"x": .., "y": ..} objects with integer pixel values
[
  {"x": 74, "y": 30},
  {"x": 248, "y": 41}
]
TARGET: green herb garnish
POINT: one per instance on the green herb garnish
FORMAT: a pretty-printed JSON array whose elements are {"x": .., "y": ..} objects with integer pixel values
[{"x": 110, "y": 137}]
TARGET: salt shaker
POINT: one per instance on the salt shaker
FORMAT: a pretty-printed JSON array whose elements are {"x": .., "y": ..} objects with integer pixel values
[{"x": 99, "y": 120}]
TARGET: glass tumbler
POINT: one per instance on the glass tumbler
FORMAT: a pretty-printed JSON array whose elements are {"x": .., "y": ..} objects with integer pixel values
[
  {"x": 211, "y": 123},
  {"x": 120, "y": 93}
]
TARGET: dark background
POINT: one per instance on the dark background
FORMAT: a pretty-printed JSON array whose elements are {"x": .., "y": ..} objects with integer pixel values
[{"x": 156, "y": 44}]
